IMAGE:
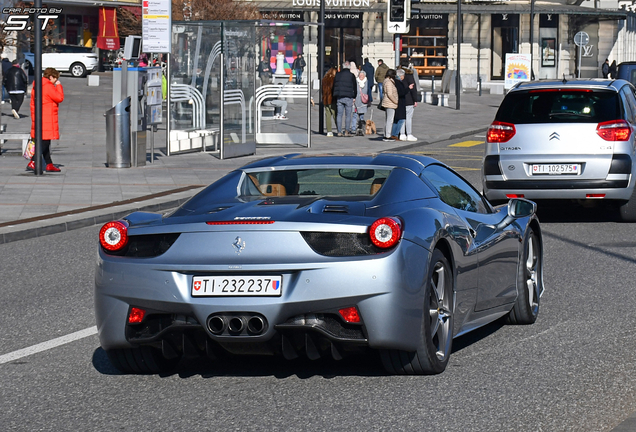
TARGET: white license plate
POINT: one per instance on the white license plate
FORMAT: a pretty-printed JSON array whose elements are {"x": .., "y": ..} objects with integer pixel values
[
  {"x": 556, "y": 169},
  {"x": 235, "y": 286}
]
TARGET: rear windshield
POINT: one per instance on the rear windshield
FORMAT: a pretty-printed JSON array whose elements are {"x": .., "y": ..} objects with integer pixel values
[
  {"x": 559, "y": 107},
  {"x": 352, "y": 181}
]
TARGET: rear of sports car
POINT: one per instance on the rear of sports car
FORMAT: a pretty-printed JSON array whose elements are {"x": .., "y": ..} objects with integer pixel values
[
  {"x": 565, "y": 141},
  {"x": 273, "y": 275}
]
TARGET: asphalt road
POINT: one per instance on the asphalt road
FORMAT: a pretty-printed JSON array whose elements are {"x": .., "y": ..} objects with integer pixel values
[{"x": 570, "y": 371}]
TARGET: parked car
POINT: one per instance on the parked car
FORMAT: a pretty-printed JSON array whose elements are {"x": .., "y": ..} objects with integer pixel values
[
  {"x": 77, "y": 60},
  {"x": 564, "y": 140},
  {"x": 627, "y": 72},
  {"x": 317, "y": 256}
]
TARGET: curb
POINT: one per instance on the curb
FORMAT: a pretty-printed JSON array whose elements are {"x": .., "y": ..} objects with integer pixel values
[{"x": 71, "y": 222}]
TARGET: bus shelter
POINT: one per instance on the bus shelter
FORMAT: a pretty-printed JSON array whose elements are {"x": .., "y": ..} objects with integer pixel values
[{"x": 218, "y": 101}]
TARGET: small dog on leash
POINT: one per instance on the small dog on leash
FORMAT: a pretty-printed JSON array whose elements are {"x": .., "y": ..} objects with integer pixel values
[{"x": 370, "y": 127}]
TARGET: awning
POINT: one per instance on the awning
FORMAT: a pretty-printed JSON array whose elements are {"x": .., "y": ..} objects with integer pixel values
[{"x": 467, "y": 8}]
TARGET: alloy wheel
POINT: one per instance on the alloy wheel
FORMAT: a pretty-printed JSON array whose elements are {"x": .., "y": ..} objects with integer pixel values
[
  {"x": 532, "y": 273},
  {"x": 440, "y": 311}
]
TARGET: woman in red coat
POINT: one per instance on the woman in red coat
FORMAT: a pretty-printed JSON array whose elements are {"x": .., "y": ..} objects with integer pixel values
[{"x": 52, "y": 96}]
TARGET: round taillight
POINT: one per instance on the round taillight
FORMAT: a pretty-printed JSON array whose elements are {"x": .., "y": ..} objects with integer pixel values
[
  {"x": 114, "y": 236},
  {"x": 385, "y": 232}
]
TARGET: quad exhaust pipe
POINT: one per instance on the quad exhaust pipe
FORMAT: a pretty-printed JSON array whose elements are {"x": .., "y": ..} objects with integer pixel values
[{"x": 233, "y": 324}]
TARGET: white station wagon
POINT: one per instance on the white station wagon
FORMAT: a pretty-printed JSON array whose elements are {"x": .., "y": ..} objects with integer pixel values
[
  {"x": 77, "y": 60},
  {"x": 564, "y": 140}
]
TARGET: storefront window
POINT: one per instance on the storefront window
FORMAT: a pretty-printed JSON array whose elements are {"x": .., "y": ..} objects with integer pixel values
[
  {"x": 427, "y": 44},
  {"x": 505, "y": 40},
  {"x": 343, "y": 38}
]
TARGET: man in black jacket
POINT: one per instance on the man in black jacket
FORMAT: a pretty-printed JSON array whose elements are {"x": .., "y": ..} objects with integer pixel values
[
  {"x": 16, "y": 81},
  {"x": 368, "y": 68},
  {"x": 345, "y": 90},
  {"x": 298, "y": 66}
]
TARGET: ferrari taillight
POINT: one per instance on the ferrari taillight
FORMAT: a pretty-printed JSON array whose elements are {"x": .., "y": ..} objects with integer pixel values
[
  {"x": 136, "y": 315},
  {"x": 350, "y": 314},
  {"x": 385, "y": 232},
  {"x": 614, "y": 130},
  {"x": 500, "y": 132},
  {"x": 114, "y": 235}
]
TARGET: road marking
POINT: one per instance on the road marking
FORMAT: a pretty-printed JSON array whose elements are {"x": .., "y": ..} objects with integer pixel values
[
  {"x": 465, "y": 169},
  {"x": 466, "y": 144},
  {"x": 53, "y": 343}
]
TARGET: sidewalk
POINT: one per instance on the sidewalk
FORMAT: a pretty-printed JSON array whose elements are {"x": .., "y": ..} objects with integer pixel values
[{"x": 86, "y": 192}]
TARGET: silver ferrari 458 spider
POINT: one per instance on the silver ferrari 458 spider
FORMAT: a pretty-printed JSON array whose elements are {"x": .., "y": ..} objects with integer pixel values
[{"x": 318, "y": 256}]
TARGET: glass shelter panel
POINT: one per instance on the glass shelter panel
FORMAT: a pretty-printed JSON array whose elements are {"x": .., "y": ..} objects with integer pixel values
[
  {"x": 194, "y": 81},
  {"x": 239, "y": 74},
  {"x": 228, "y": 91}
]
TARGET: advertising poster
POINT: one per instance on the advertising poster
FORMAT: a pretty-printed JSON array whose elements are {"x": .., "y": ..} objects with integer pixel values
[
  {"x": 548, "y": 52},
  {"x": 517, "y": 69}
]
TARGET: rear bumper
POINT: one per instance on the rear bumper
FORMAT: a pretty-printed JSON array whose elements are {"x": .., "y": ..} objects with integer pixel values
[
  {"x": 386, "y": 291},
  {"x": 558, "y": 189}
]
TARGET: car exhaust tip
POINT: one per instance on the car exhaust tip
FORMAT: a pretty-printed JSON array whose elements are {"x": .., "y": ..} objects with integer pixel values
[
  {"x": 255, "y": 325},
  {"x": 235, "y": 325},
  {"x": 217, "y": 324}
]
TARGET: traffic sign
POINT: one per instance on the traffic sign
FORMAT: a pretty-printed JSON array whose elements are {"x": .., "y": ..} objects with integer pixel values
[{"x": 581, "y": 38}]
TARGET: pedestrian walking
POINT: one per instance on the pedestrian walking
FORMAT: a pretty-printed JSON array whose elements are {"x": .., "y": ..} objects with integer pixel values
[
  {"x": 16, "y": 82},
  {"x": 52, "y": 96},
  {"x": 327, "y": 98},
  {"x": 264, "y": 72},
  {"x": 399, "y": 118},
  {"x": 298, "y": 66},
  {"x": 345, "y": 90},
  {"x": 6, "y": 65},
  {"x": 369, "y": 70},
  {"x": 380, "y": 74},
  {"x": 406, "y": 133},
  {"x": 605, "y": 68},
  {"x": 389, "y": 102},
  {"x": 361, "y": 101},
  {"x": 612, "y": 70}
]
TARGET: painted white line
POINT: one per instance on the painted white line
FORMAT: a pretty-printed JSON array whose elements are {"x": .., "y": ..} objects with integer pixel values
[{"x": 53, "y": 343}]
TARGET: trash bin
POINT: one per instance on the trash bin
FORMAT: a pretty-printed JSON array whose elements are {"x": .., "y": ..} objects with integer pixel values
[{"x": 118, "y": 135}]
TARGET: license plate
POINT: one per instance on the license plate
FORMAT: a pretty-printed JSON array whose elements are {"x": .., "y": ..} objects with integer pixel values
[
  {"x": 235, "y": 286},
  {"x": 556, "y": 169}
]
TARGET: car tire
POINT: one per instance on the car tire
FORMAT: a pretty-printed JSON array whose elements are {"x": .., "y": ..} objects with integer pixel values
[
  {"x": 436, "y": 336},
  {"x": 142, "y": 360},
  {"x": 78, "y": 70},
  {"x": 529, "y": 282},
  {"x": 627, "y": 210}
]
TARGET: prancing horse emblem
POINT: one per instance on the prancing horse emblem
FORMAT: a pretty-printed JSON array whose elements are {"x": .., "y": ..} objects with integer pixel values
[{"x": 239, "y": 245}]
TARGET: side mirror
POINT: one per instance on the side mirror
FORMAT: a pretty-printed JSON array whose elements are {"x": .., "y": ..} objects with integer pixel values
[
  {"x": 520, "y": 208},
  {"x": 517, "y": 208}
]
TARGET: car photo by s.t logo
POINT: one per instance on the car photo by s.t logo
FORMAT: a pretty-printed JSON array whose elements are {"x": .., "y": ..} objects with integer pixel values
[{"x": 18, "y": 19}]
